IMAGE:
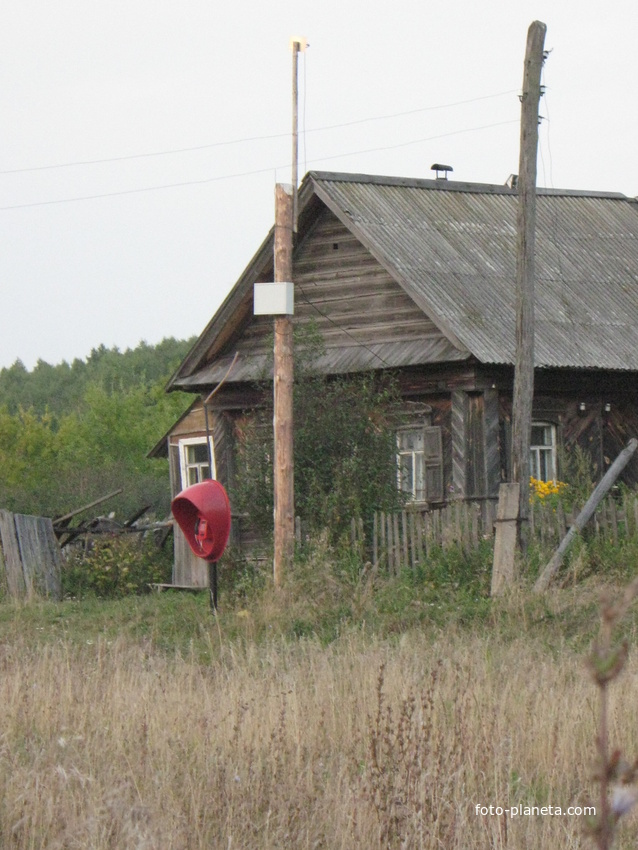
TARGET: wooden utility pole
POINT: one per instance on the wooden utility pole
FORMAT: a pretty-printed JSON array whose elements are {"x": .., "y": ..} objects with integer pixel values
[
  {"x": 295, "y": 132},
  {"x": 284, "y": 493},
  {"x": 526, "y": 226},
  {"x": 298, "y": 46}
]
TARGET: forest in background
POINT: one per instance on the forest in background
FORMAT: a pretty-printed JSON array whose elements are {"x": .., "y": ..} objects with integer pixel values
[{"x": 73, "y": 432}]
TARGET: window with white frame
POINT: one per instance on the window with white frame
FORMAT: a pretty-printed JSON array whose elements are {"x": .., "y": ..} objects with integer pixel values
[
  {"x": 194, "y": 459},
  {"x": 542, "y": 458},
  {"x": 420, "y": 463}
]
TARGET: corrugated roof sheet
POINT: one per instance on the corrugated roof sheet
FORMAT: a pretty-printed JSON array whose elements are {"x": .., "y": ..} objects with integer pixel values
[{"x": 453, "y": 248}]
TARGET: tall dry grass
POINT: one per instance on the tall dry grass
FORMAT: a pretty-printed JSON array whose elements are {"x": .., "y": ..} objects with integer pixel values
[{"x": 364, "y": 744}]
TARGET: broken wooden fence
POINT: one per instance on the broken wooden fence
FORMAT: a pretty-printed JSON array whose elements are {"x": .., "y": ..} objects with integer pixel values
[
  {"x": 406, "y": 538},
  {"x": 30, "y": 562}
]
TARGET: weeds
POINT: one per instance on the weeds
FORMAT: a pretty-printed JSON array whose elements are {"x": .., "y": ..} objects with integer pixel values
[
  {"x": 115, "y": 567},
  {"x": 613, "y": 773}
]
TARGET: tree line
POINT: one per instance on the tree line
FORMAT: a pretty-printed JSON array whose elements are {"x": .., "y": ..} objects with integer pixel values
[{"x": 72, "y": 432}]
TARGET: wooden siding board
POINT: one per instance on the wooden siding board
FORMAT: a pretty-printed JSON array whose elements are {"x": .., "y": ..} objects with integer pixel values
[
  {"x": 459, "y": 447},
  {"x": 174, "y": 470},
  {"x": 188, "y": 569},
  {"x": 475, "y": 447},
  {"x": 492, "y": 447}
]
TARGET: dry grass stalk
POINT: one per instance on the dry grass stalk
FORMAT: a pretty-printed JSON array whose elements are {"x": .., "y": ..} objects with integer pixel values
[
  {"x": 613, "y": 774},
  {"x": 363, "y": 744}
]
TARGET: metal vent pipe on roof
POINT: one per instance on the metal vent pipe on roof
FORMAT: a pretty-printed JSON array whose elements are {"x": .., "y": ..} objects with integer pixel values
[{"x": 438, "y": 168}]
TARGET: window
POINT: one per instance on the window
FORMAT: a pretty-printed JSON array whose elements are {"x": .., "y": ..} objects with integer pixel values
[
  {"x": 542, "y": 459},
  {"x": 419, "y": 463},
  {"x": 195, "y": 461}
]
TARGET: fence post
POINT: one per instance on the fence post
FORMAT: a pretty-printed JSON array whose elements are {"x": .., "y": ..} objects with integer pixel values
[{"x": 505, "y": 542}]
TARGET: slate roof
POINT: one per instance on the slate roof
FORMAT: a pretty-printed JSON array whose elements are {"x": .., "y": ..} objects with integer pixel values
[{"x": 452, "y": 247}]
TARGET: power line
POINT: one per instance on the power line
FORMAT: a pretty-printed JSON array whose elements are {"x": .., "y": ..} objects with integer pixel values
[
  {"x": 253, "y": 172},
  {"x": 210, "y": 145}
]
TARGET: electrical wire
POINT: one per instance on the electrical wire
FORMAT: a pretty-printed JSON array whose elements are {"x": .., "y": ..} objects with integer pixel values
[
  {"x": 246, "y": 139},
  {"x": 268, "y": 169}
]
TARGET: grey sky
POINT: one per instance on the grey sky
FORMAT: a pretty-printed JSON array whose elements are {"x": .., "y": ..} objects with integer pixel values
[{"x": 94, "y": 80}]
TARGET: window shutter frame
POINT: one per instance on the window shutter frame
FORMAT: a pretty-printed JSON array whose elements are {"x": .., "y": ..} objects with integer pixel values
[{"x": 433, "y": 461}]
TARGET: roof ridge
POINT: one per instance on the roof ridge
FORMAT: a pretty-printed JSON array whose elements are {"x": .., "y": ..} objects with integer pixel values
[{"x": 453, "y": 185}]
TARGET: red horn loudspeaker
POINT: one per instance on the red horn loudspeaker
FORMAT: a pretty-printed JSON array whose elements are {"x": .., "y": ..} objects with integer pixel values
[{"x": 202, "y": 511}]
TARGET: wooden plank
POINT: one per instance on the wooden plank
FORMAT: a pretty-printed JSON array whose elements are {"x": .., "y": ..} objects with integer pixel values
[
  {"x": 40, "y": 555},
  {"x": 419, "y": 535},
  {"x": 397, "y": 543},
  {"x": 476, "y": 537},
  {"x": 404, "y": 534},
  {"x": 12, "y": 561},
  {"x": 459, "y": 509},
  {"x": 390, "y": 543},
  {"x": 188, "y": 569},
  {"x": 459, "y": 406},
  {"x": 475, "y": 484},
  {"x": 613, "y": 520},
  {"x": 412, "y": 535},
  {"x": 492, "y": 453},
  {"x": 4, "y": 587},
  {"x": 375, "y": 542}
]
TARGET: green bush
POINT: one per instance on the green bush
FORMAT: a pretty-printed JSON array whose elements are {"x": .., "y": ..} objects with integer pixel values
[
  {"x": 344, "y": 454},
  {"x": 115, "y": 567}
]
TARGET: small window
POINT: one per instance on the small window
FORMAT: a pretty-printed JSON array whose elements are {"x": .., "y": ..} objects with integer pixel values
[
  {"x": 195, "y": 460},
  {"x": 411, "y": 464},
  {"x": 542, "y": 459},
  {"x": 420, "y": 463}
]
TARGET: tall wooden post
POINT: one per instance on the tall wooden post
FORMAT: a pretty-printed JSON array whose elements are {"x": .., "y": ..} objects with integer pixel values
[
  {"x": 295, "y": 132},
  {"x": 526, "y": 226},
  {"x": 284, "y": 494}
]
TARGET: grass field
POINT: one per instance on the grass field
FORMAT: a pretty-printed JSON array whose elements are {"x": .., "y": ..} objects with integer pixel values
[{"x": 340, "y": 714}]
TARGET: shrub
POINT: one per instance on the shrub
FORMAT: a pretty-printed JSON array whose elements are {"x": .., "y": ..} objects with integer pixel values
[
  {"x": 345, "y": 454},
  {"x": 115, "y": 567}
]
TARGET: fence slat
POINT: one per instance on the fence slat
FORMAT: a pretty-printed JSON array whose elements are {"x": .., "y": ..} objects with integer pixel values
[
  {"x": 12, "y": 561},
  {"x": 397, "y": 543}
]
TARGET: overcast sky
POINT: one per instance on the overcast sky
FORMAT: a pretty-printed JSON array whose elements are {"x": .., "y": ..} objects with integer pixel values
[{"x": 386, "y": 88}]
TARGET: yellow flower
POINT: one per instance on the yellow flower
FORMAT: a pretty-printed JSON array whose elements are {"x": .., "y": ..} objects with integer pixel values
[{"x": 543, "y": 489}]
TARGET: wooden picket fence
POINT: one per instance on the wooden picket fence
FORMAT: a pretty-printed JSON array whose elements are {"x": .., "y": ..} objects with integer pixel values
[{"x": 406, "y": 538}]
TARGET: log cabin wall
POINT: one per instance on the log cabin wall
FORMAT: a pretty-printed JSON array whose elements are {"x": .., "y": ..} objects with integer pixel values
[
  {"x": 472, "y": 406},
  {"x": 352, "y": 301},
  {"x": 468, "y": 412},
  {"x": 350, "y": 296},
  {"x": 575, "y": 403}
]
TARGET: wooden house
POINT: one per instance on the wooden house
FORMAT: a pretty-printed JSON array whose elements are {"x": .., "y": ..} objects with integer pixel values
[{"x": 418, "y": 277}]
